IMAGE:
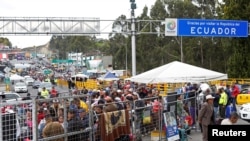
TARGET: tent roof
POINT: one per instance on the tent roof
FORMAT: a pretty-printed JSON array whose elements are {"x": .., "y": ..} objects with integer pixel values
[
  {"x": 176, "y": 72},
  {"x": 80, "y": 75},
  {"x": 16, "y": 77},
  {"x": 108, "y": 76}
]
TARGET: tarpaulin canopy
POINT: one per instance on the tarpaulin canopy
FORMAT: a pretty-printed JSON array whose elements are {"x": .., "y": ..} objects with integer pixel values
[
  {"x": 108, "y": 77},
  {"x": 178, "y": 72}
]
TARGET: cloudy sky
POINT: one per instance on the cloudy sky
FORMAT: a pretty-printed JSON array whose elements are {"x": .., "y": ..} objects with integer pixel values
[{"x": 103, "y": 9}]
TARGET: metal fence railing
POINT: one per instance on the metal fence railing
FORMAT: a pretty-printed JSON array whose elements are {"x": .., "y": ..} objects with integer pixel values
[{"x": 84, "y": 117}]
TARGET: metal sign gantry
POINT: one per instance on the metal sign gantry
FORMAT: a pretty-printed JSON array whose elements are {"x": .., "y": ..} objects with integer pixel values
[{"x": 68, "y": 26}]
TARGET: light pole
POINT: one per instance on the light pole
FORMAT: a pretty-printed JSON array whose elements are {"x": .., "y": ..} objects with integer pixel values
[
  {"x": 126, "y": 61},
  {"x": 133, "y": 32}
]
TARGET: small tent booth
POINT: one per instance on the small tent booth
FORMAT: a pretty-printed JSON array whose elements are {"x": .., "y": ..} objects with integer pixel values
[
  {"x": 79, "y": 77},
  {"x": 109, "y": 76},
  {"x": 107, "y": 79}
]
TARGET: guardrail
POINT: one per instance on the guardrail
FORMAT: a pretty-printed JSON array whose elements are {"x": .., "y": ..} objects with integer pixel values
[
  {"x": 163, "y": 87},
  {"x": 89, "y": 84}
]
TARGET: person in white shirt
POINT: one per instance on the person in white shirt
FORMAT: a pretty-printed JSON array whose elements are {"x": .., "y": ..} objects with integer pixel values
[{"x": 231, "y": 120}]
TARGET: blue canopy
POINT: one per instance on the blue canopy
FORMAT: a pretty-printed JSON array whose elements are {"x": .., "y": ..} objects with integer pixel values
[{"x": 108, "y": 77}]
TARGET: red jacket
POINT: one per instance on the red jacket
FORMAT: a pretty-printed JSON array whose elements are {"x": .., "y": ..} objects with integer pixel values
[
  {"x": 40, "y": 116},
  {"x": 235, "y": 91},
  {"x": 53, "y": 92}
]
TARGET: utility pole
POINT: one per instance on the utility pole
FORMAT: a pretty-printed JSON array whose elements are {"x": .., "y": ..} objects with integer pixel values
[
  {"x": 201, "y": 46},
  {"x": 133, "y": 33}
]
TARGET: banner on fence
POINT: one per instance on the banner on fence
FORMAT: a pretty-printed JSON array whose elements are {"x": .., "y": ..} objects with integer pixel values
[{"x": 171, "y": 126}]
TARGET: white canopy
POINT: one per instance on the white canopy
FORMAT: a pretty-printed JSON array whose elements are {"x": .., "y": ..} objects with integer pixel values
[
  {"x": 16, "y": 77},
  {"x": 177, "y": 72},
  {"x": 80, "y": 75}
]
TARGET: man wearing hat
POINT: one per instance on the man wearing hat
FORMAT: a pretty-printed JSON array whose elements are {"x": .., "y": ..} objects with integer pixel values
[
  {"x": 54, "y": 108},
  {"x": 206, "y": 116}
]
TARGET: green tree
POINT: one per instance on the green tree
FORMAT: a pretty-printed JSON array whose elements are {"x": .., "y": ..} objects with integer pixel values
[
  {"x": 238, "y": 62},
  {"x": 5, "y": 41}
]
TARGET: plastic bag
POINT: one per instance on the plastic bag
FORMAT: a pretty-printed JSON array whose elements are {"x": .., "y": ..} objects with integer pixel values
[{"x": 146, "y": 117}]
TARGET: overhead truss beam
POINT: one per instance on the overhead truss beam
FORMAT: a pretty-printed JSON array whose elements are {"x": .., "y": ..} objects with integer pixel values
[{"x": 72, "y": 26}]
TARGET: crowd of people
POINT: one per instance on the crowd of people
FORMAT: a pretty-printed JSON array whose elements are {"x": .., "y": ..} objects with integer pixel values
[
  {"x": 52, "y": 120},
  {"x": 218, "y": 107},
  {"x": 81, "y": 113}
]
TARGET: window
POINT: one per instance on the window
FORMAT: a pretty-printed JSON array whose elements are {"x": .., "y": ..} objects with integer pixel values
[{"x": 10, "y": 96}]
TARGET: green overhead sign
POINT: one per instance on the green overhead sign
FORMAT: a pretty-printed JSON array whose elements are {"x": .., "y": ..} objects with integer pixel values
[
  {"x": 62, "y": 61},
  {"x": 7, "y": 80},
  {"x": 47, "y": 71}
]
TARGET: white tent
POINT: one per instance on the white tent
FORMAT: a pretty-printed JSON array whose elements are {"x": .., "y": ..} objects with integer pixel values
[
  {"x": 80, "y": 75},
  {"x": 16, "y": 77},
  {"x": 177, "y": 72}
]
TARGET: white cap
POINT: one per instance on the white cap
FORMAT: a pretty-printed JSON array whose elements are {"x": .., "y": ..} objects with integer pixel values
[
  {"x": 117, "y": 99},
  {"x": 131, "y": 90},
  {"x": 119, "y": 91},
  {"x": 209, "y": 96}
]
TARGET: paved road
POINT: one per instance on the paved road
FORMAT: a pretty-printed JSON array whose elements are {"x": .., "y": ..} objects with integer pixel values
[{"x": 34, "y": 92}]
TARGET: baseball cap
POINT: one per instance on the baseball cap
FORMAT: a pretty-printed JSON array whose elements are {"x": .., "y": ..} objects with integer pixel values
[
  {"x": 72, "y": 111},
  {"x": 81, "y": 110}
]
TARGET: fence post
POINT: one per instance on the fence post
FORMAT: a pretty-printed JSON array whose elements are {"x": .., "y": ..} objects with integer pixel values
[
  {"x": 65, "y": 115},
  {"x": 133, "y": 128},
  {"x": 34, "y": 120},
  {"x": 161, "y": 118},
  {"x": 1, "y": 128},
  {"x": 91, "y": 120}
]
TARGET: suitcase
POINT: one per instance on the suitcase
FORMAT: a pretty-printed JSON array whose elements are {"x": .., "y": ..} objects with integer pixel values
[{"x": 243, "y": 99}]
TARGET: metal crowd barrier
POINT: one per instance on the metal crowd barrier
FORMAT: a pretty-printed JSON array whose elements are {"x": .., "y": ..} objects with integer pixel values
[{"x": 22, "y": 119}]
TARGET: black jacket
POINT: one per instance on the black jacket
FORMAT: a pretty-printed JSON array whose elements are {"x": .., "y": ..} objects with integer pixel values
[{"x": 216, "y": 99}]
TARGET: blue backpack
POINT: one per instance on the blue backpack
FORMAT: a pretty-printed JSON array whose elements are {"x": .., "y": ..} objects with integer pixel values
[{"x": 229, "y": 110}]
